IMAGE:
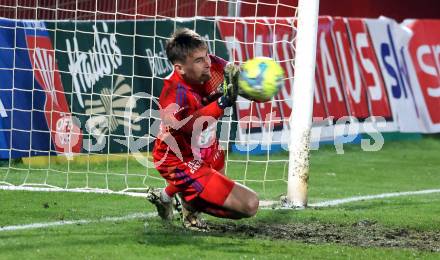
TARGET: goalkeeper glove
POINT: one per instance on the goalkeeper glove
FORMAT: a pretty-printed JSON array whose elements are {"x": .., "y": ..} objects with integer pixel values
[{"x": 229, "y": 87}]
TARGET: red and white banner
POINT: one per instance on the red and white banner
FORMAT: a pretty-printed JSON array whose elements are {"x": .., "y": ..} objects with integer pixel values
[
  {"x": 389, "y": 41},
  {"x": 319, "y": 104},
  {"x": 365, "y": 68},
  {"x": 328, "y": 71},
  {"x": 250, "y": 38},
  {"x": 349, "y": 71},
  {"x": 65, "y": 132},
  {"x": 424, "y": 50},
  {"x": 369, "y": 68}
]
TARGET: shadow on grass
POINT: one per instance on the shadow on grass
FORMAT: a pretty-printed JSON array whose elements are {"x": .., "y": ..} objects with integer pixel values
[
  {"x": 283, "y": 226},
  {"x": 174, "y": 235}
]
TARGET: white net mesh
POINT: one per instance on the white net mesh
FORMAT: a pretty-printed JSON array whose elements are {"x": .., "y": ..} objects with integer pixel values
[{"x": 80, "y": 81}]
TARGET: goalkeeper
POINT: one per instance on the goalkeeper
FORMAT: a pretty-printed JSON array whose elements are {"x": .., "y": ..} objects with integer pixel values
[{"x": 186, "y": 152}]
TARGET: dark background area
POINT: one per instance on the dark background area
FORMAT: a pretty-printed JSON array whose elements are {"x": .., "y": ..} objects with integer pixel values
[
  {"x": 144, "y": 9},
  {"x": 397, "y": 9}
]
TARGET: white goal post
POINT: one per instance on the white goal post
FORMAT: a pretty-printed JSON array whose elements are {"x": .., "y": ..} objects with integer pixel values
[
  {"x": 81, "y": 79},
  {"x": 303, "y": 89}
]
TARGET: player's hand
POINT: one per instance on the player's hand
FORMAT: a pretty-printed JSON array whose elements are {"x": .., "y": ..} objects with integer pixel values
[
  {"x": 229, "y": 87},
  {"x": 214, "y": 95}
]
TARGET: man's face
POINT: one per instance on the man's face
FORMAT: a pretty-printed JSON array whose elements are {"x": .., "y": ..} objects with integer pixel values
[{"x": 196, "y": 69}]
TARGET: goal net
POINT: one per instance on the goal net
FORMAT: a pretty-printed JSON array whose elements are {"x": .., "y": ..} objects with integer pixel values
[{"x": 79, "y": 83}]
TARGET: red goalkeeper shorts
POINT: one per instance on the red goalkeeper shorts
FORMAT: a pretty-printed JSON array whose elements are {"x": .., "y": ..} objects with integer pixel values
[
  {"x": 216, "y": 160},
  {"x": 198, "y": 179}
]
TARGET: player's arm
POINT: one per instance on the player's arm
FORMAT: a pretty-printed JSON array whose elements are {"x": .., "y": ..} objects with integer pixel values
[
  {"x": 213, "y": 110},
  {"x": 177, "y": 116},
  {"x": 225, "y": 95},
  {"x": 176, "y": 113},
  {"x": 202, "y": 118},
  {"x": 229, "y": 86}
]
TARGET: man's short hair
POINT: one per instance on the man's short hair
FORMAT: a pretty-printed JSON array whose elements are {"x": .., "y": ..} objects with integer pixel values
[{"x": 182, "y": 43}]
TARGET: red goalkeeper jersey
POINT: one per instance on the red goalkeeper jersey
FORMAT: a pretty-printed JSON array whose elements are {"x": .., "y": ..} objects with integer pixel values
[{"x": 188, "y": 127}]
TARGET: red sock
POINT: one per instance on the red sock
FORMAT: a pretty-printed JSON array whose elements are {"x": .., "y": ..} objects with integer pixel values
[
  {"x": 214, "y": 210},
  {"x": 221, "y": 213}
]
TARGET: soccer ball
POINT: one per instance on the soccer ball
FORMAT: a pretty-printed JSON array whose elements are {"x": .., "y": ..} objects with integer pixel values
[{"x": 260, "y": 79}]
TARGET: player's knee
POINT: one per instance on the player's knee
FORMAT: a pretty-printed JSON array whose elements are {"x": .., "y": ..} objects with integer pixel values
[{"x": 252, "y": 206}]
